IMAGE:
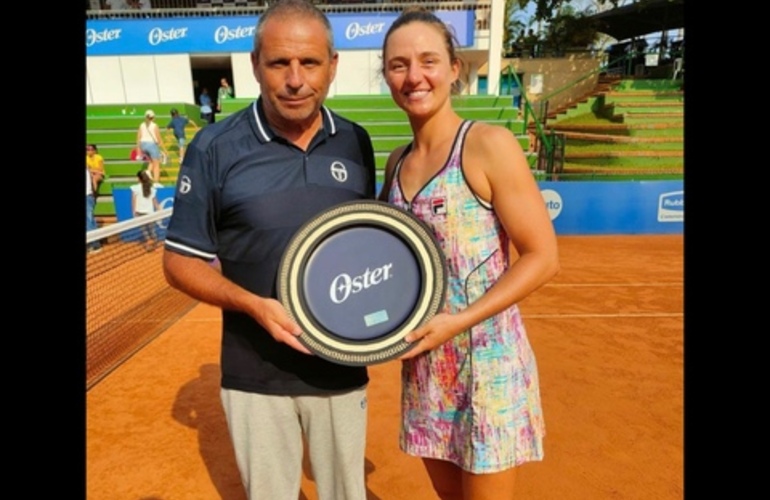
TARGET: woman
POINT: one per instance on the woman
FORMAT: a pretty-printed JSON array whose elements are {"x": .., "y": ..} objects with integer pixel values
[
  {"x": 149, "y": 142},
  {"x": 95, "y": 165},
  {"x": 470, "y": 395},
  {"x": 144, "y": 201}
]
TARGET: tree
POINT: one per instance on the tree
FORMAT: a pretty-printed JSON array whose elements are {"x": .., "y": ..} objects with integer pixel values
[
  {"x": 565, "y": 28},
  {"x": 570, "y": 30},
  {"x": 594, "y": 7},
  {"x": 546, "y": 10},
  {"x": 514, "y": 22}
]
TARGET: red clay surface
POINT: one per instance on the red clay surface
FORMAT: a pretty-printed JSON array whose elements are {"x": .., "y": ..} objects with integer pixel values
[{"x": 608, "y": 336}]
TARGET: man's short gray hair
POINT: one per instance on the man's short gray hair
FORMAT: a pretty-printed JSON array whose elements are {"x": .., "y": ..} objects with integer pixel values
[{"x": 294, "y": 10}]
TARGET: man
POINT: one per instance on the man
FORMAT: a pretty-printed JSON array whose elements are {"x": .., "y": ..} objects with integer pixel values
[
  {"x": 225, "y": 92},
  {"x": 247, "y": 185},
  {"x": 207, "y": 112}
]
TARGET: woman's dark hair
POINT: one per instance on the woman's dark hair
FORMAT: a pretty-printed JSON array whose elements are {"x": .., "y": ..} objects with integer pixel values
[
  {"x": 93, "y": 146},
  {"x": 144, "y": 178}
]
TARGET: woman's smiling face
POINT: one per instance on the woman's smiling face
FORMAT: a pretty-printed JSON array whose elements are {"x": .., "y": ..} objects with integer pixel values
[{"x": 418, "y": 69}]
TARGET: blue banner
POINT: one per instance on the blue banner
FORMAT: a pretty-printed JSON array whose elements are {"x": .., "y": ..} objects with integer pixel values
[
  {"x": 122, "y": 199},
  {"x": 113, "y": 37},
  {"x": 581, "y": 208},
  {"x": 605, "y": 207}
]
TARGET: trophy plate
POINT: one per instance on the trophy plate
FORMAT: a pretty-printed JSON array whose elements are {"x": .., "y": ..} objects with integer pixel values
[{"x": 358, "y": 277}]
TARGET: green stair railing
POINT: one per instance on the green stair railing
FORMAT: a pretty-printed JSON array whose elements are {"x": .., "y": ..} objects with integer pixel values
[
  {"x": 540, "y": 135},
  {"x": 552, "y": 144}
]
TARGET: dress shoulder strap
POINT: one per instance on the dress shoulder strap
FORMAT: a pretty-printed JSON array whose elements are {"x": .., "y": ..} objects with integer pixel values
[{"x": 457, "y": 149}]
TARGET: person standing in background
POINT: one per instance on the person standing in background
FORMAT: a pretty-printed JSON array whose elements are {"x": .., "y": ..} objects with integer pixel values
[
  {"x": 90, "y": 206},
  {"x": 225, "y": 92},
  {"x": 246, "y": 186},
  {"x": 207, "y": 112},
  {"x": 140, "y": 4},
  {"x": 531, "y": 43},
  {"x": 470, "y": 397},
  {"x": 116, "y": 5},
  {"x": 177, "y": 125},
  {"x": 150, "y": 143}
]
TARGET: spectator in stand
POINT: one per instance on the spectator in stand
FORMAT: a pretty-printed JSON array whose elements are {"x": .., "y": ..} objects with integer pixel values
[
  {"x": 144, "y": 201},
  {"x": 637, "y": 49},
  {"x": 517, "y": 47},
  {"x": 207, "y": 112},
  {"x": 95, "y": 164},
  {"x": 532, "y": 44},
  {"x": 677, "y": 48},
  {"x": 661, "y": 47},
  {"x": 149, "y": 142},
  {"x": 90, "y": 205},
  {"x": 177, "y": 125},
  {"x": 115, "y": 5},
  {"x": 225, "y": 92},
  {"x": 139, "y": 4}
]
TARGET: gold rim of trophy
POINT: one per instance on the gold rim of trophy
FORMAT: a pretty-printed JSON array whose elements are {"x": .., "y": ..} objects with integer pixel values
[{"x": 408, "y": 228}]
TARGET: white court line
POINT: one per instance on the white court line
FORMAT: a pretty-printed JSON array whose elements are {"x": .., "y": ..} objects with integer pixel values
[
  {"x": 611, "y": 315},
  {"x": 585, "y": 285}
]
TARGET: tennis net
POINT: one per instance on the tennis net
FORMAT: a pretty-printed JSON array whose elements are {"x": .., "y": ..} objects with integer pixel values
[{"x": 128, "y": 302}]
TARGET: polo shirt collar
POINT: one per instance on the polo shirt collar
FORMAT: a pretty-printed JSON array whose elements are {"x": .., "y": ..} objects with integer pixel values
[{"x": 265, "y": 133}]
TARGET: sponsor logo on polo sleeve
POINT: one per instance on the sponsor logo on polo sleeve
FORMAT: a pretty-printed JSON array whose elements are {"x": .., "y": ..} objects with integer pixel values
[
  {"x": 339, "y": 171},
  {"x": 185, "y": 185}
]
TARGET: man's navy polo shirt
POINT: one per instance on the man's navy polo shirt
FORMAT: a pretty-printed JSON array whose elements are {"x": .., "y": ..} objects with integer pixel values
[{"x": 241, "y": 194}]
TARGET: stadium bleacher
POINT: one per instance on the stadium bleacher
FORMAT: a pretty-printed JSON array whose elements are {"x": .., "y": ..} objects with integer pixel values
[{"x": 112, "y": 127}]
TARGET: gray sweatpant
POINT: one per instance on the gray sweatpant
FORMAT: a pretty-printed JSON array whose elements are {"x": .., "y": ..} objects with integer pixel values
[{"x": 267, "y": 433}]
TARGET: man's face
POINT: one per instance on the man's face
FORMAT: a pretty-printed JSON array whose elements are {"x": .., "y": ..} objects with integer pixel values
[{"x": 294, "y": 69}]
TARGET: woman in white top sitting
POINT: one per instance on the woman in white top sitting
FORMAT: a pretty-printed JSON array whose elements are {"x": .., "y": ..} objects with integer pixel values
[{"x": 144, "y": 200}]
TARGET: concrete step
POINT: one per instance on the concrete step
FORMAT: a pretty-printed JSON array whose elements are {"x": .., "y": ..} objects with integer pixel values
[
  {"x": 648, "y": 104},
  {"x": 611, "y": 138},
  {"x": 624, "y": 154},
  {"x": 598, "y": 127},
  {"x": 673, "y": 114}
]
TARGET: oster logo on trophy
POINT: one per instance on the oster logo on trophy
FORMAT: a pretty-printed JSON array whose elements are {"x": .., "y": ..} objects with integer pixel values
[{"x": 358, "y": 277}]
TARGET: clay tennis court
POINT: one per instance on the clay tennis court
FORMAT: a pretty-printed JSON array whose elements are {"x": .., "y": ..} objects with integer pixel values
[{"x": 608, "y": 336}]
